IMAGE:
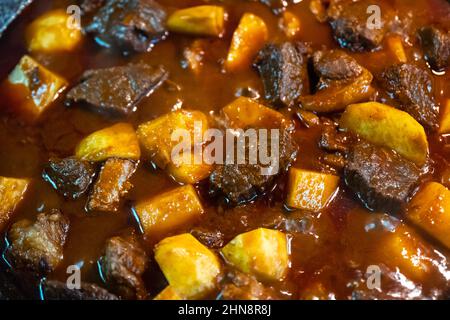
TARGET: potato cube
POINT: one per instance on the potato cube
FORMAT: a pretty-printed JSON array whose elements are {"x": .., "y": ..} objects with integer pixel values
[
  {"x": 52, "y": 32},
  {"x": 430, "y": 211},
  {"x": 12, "y": 191},
  {"x": 248, "y": 39},
  {"x": 156, "y": 138},
  {"x": 117, "y": 141},
  {"x": 168, "y": 211},
  {"x": 201, "y": 20},
  {"x": 168, "y": 294},
  {"x": 190, "y": 268},
  {"x": 31, "y": 88},
  {"x": 261, "y": 252},
  {"x": 444, "y": 126},
  {"x": 396, "y": 48},
  {"x": 400, "y": 249},
  {"x": 387, "y": 127},
  {"x": 245, "y": 112},
  {"x": 309, "y": 190},
  {"x": 290, "y": 25}
]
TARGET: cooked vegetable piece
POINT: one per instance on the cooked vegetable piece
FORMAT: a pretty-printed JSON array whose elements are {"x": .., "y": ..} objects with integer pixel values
[
  {"x": 396, "y": 48},
  {"x": 69, "y": 176},
  {"x": 388, "y": 127},
  {"x": 261, "y": 252},
  {"x": 380, "y": 177},
  {"x": 310, "y": 190},
  {"x": 190, "y": 268},
  {"x": 248, "y": 39},
  {"x": 30, "y": 88},
  {"x": 123, "y": 263},
  {"x": 430, "y": 211},
  {"x": 169, "y": 210},
  {"x": 130, "y": 25},
  {"x": 290, "y": 24},
  {"x": 245, "y": 112},
  {"x": 201, "y": 20},
  {"x": 52, "y": 32},
  {"x": 284, "y": 72},
  {"x": 117, "y": 91},
  {"x": 336, "y": 97},
  {"x": 112, "y": 185},
  {"x": 156, "y": 138},
  {"x": 444, "y": 126},
  {"x": 12, "y": 191},
  {"x": 168, "y": 293},
  {"x": 405, "y": 251},
  {"x": 117, "y": 141},
  {"x": 37, "y": 246}
]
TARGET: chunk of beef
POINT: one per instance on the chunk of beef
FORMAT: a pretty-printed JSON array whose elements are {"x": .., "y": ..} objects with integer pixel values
[
  {"x": 117, "y": 90},
  {"x": 9, "y": 289},
  {"x": 112, "y": 184},
  {"x": 69, "y": 176},
  {"x": 240, "y": 183},
  {"x": 239, "y": 286},
  {"x": 57, "y": 290},
  {"x": 129, "y": 24},
  {"x": 90, "y": 6},
  {"x": 413, "y": 88},
  {"x": 350, "y": 23},
  {"x": 436, "y": 47},
  {"x": 283, "y": 70},
  {"x": 123, "y": 264},
  {"x": 381, "y": 178},
  {"x": 332, "y": 140},
  {"x": 213, "y": 239},
  {"x": 38, "y": 246},
  {"x": 335, "y": 65}
]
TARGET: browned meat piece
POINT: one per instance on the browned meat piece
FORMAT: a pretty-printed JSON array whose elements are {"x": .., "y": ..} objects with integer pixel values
[
  {"x": 70, "y": 176},
  {"x": 117, "y": 90},
  {"x": 436, "y": 47},
  {"x": 284, "y": 72},
  {"x": 90, "y": 6},
  {"x": 9, "y": 289},
  {"x": 57, "y": 290},
  {"x": 335, "y": 65},
  {"x": 212, "y": 239},
  {"x": 381, "y": 178},
  {"x": 241, "y": 183},
  {"x": 38, "y": 246},
  {"x": 239, "y": 286},
  {"x": 334, "y": 141},
  {"x": 349, "y": 21},
  {"x": 129, "y": 24},
  {"x": 413, "y": 88},
  {"x": 123, "y": 264},
  {"x": 112, "y": 184}
]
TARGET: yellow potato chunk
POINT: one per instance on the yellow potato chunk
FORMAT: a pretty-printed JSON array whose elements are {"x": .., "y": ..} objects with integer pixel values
[
  {"x": 190, "y": 268},
  {"x": 400, "y": 249},
  {"x": 117, "y": 141},
  {"x": 395, "y": 46},
  {"x": 290, "y": 24},
  {"x": 30, "y": 88},
  {"x": 201, "y": 20},
  {"x": 444, "y": 126},
  {"x": 168, "y": 294},
  {"x": 245, "y": 112},
  {"x": 387, "y": 127},
  {"x": 309, "y": 190},
  {"x": 156, "y": 137},
  {"x": 168, "y": 211},
  {"x": 248, "y": 39},
  {"x": 261, "y": 252},
  {"x": 12, "y": 191},
  {"x": 52, "y": 32},
  {"x": 430, "y": 211}
]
